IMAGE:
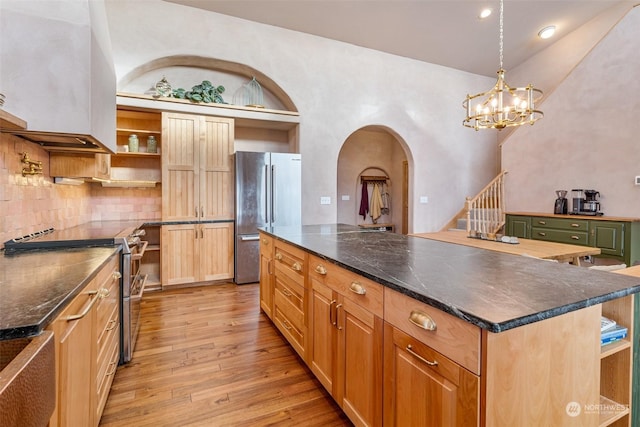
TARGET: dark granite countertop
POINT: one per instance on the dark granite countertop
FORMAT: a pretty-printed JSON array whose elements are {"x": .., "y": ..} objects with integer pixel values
[
  {"x": 35, "y": 286},
  {"x": 492, "y": 290}
]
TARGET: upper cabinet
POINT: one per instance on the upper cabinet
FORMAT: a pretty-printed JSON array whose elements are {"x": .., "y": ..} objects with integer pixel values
[{"x": 197, "y": 167}]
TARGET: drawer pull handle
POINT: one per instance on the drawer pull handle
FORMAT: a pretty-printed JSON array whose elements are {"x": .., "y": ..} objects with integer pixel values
[
  {"x": 357, "y": 288},
  {"x": 113, "y": 366},
  {"x": 542, "y": 234},
  {"x": 87, "y": 308},
  {"x": 331, "y": 312},
  {"x": 542, "y": 222},
  {"x": 337, "y": 324},
  {"x": 116, "y": 275},
  {"x": 296, "y": 266},
  {"x": 278, "y": 256},
  {"x": 286, "y": 292},
  {"x": 575, "y": 237},
  {"x": 112, "y": 324},
  {"x": 321, "y": 270},
  {"x": 103, "y": 293},
  {"x": 286, "y": 325},
  {"x": 422, "y": 320},
  {"x": 575, "y": 225},
  {"x": 265, "y": 241},
  {"x": 413, "y": 353}
]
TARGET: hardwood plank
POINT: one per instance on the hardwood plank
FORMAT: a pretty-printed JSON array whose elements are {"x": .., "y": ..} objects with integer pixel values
[{"x": 207, "y": 356}]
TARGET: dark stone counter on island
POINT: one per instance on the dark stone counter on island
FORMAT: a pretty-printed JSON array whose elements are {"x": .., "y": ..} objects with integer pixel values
[
  {"x": 492, "y": 290},
  {"x": 35, "y": 286}
]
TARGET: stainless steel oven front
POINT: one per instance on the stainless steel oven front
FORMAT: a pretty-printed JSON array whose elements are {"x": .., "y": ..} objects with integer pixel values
[{"x": 133, "y": 284}]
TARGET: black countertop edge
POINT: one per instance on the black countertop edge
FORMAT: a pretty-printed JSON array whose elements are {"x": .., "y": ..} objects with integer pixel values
[
  {"x": 31, "y": 330},
  {"x": 455, "y": 311}
]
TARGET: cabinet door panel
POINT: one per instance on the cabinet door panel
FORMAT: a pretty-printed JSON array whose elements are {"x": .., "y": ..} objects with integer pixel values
[
  {"x": 216, "y": 251},
  {"x": 360, "y": 365},
  {"x": 323, "y": 338},
  {"x": 216, "y": 168},
  {"x": 179, "y": 254},
  {"x": 609, "y": 237}
]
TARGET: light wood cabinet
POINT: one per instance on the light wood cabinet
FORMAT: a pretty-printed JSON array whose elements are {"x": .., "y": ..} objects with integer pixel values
[
  {"x": 80, "y": 165},
  {"x": 345, "y": 351},
  {"x": 150, "y": 262},
  {"x": 87, "y": 339},
  {"x": 424, "y": 388},
  {"x": 266, "y": 274},
  {"x": 197, "y": 185},
  {"x": 197, "y": 167},
  {"x": 196, "y": 253},
  {"x": 290, "y": 295}
]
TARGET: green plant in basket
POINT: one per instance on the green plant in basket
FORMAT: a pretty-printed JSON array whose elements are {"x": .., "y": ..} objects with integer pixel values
[{"x": 204, "y": 92}]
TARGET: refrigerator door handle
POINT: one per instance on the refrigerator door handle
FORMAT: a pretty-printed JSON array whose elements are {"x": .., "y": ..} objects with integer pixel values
[
  {"x": 250, "y": 237},
  {"x": 266, "y": 194},
  {"x": 273, "y": 194}
]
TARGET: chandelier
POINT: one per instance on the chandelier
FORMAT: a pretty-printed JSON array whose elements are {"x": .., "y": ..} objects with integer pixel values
[{"x": 502, "y": 106}]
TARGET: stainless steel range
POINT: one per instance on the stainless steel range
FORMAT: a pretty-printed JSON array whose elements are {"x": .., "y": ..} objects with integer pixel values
[{"x": 103, "y": 233}]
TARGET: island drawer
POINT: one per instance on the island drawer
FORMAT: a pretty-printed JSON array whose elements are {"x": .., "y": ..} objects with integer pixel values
[
  {"x": 454, "y": 338},
  {"x": 289, "y": 298},
  {"x": 560, "y": 223},
  {"x": 362, "y": 291},
  {"x": 560, "y": 236},
  {"x": 290, "y": 262}
]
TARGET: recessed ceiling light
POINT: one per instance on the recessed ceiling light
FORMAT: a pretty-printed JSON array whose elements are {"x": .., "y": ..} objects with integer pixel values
[
  {"x": 547, "y": 32},
  {"x": 485, "y": 13}
]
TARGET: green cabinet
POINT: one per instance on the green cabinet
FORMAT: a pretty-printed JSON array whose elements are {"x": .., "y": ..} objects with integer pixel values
[
  {"x": 609, "y": 237},
  {"x": 617, "y": 238},
  {"x": 518, "y": 226}
]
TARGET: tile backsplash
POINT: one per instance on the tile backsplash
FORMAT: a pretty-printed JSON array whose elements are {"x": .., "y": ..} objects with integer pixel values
[{"x": 32, "y": 203}]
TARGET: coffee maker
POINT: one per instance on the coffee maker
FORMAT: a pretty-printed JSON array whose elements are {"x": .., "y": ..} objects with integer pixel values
[
  {"x": 561, "y": 205},
  {"x": 585, "y": 202}
]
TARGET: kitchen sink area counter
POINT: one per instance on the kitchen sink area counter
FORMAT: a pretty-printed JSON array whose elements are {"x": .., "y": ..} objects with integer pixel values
[
  {"x": 491, "y": 290},
  {"x": 35, "y": 286}
]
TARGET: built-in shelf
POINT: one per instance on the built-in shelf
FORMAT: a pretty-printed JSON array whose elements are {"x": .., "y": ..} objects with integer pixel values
[
  {"x": 608, "y": 417},
  {"x": 614, "y": 347}
]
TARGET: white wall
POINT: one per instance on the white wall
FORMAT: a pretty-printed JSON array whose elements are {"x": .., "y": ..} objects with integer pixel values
[
  {"x": 337, "y": 88},
  {"x": 589, "y": 136}
]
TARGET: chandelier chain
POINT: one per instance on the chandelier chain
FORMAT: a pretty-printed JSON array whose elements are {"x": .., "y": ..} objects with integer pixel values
[{"x": 501, "y": 33}]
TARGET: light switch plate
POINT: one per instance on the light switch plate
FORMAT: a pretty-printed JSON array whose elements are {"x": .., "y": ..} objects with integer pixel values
[
  {"x": 637, "y": 182},
  {"x": 325, "y": 200},
  {"x": 424, "y": 199},
  {"x": 345, "y": 197}
]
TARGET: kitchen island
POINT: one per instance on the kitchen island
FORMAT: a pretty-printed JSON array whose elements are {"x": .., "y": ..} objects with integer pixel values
[{"x": 515, "y": 341}]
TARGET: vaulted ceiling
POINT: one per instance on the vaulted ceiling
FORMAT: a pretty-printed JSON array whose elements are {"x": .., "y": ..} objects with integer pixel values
[{"x": 445, "y": 32}]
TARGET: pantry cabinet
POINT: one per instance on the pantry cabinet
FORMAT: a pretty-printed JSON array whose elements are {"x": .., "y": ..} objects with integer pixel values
[
  {"x": 87, "y": 348},
  {"x": 197, "y": 188},
  {"x": 197, "y": 167},
  {"x": 345, "y": 350},
  {"x": 196, "y": 253}
]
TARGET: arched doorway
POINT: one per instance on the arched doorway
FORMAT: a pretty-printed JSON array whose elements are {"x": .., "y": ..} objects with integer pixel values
[{"x": 370, "y": 156}]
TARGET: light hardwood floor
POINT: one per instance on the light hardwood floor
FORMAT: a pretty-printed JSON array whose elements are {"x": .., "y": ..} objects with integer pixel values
[{"x": 207, "y": 356}]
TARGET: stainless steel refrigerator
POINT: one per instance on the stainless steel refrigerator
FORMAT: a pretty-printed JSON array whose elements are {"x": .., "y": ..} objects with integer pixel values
[{"x": 268, "y": 193}]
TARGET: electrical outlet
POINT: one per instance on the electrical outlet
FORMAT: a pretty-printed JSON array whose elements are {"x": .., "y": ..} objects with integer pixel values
[
  {"x": 325, "y": 200},
  {"x": 424, "y": 199},
  {"x": 345, "y": 197},
  {"x": 637, "y": 182}
]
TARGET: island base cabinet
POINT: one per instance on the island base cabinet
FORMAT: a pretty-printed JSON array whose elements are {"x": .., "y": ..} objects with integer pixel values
[
  {"x": 346, "y": 354},
  {"x": 423, "y": 388},
  {"x": 266, "y": 275},
  {"x": 546, "y": 373}
]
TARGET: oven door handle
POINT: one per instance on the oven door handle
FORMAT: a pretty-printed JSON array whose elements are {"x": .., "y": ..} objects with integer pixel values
[
  {"x": 140, "y": 253},
  {"x": 140, "y": 291}
]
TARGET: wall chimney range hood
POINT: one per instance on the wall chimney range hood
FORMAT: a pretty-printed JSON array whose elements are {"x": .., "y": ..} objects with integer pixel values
[{"x": 58, "y": 74}]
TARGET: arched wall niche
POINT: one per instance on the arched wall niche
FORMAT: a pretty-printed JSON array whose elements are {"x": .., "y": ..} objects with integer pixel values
[
  {"x": 135, "y": 81},
  {"x": 369, "y": 151}
]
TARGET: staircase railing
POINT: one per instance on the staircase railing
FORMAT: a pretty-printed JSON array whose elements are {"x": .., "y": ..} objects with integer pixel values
[{"x": 485, "y": 211}]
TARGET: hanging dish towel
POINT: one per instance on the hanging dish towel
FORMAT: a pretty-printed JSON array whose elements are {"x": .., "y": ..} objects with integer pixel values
[
  {"x": 376, "y": 203},
  {"x": 364, "y": 201}
]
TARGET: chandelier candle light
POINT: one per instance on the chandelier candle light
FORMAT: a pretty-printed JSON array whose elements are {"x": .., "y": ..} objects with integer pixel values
[{"x": 502, "y": 106}]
